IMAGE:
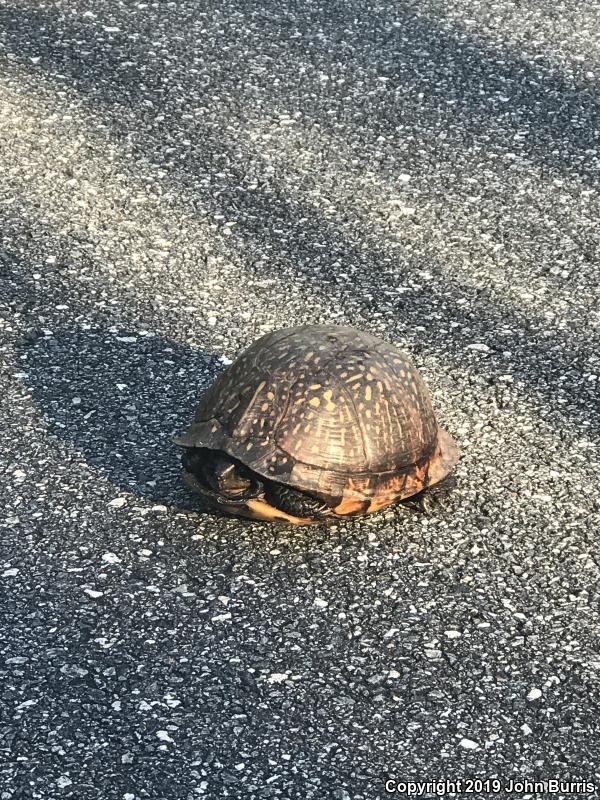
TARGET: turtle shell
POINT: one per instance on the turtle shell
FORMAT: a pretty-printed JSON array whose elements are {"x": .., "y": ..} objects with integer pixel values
[{"x": 328, "y": 410}]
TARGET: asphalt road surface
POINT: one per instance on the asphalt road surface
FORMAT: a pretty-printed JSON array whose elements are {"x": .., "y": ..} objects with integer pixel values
[{"x": 177, "y": 178}]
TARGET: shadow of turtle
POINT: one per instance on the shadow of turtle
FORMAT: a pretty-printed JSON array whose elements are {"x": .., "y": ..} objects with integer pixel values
[{"x": 118, "y": 398}]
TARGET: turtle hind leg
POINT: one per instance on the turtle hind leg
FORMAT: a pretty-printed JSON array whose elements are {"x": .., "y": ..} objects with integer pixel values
[
  {"x": 425, "y": 501},
  {"x": 294, "y": 502},
  {"x": 421, "y": 502}
]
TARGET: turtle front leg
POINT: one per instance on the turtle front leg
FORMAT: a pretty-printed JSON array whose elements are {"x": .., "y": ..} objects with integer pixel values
[{"x": 294, "y": 502}]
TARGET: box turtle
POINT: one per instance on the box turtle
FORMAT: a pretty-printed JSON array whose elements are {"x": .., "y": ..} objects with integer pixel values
[{"x": 315, "y": 422}]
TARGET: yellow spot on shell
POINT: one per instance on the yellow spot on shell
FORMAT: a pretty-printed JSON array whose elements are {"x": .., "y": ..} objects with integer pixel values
[
  {"x": 249, "y": 446},
  {"x": 330, "y": 406},
  {"x": 315, "y": 386},
  {"x": 368, "y": 393},
  {"x": 264, "y": 407},
  {"x": 270, "y": 396},
  {"x": 314, "y": 401}
]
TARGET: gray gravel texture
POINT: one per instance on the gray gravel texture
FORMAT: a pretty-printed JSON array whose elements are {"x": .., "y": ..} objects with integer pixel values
[{"x": 178, "y": 178}]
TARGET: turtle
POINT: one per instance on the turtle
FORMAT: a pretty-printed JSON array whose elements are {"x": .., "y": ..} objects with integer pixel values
[{"x": 313, "y": 423}]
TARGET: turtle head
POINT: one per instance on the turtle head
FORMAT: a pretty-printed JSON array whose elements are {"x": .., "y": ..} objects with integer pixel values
[
  {"x": 228, "y": 478},
  {"x": 219, "y": 474}
]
